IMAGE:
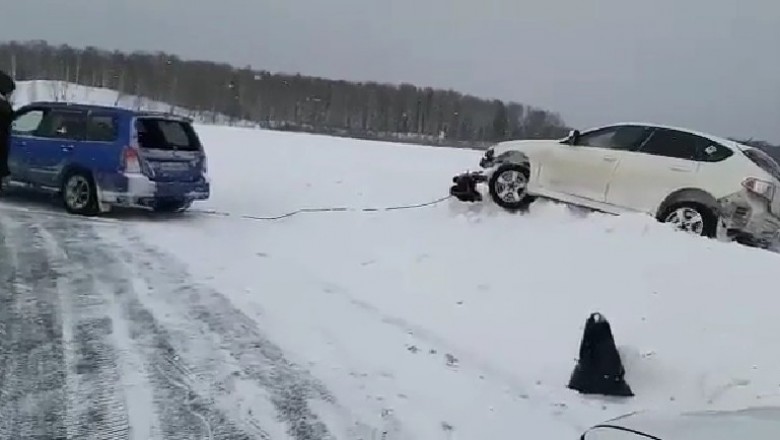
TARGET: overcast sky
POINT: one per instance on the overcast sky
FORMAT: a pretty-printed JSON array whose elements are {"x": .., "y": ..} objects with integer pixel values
[{"x": 712, "y": 65}]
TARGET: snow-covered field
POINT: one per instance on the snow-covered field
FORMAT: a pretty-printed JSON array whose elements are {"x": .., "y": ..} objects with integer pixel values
[
  {"x": 450, "y": 321},
  {"x": 458, "y": 321}
]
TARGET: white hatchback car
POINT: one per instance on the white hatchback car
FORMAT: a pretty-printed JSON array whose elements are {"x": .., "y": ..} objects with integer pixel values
[
  {"x": 693, "y": 180},
  {"x": 748, "y": 424}
]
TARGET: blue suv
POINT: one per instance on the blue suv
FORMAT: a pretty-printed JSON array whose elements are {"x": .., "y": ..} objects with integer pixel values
[{"x": 97, "y": 157}]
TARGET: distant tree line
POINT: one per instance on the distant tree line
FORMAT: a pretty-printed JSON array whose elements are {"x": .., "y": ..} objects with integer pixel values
[{"x": 288, "y": 101}]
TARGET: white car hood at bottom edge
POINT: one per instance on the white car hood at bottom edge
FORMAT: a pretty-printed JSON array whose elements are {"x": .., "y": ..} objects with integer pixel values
[{"x": 759, "y": 423}]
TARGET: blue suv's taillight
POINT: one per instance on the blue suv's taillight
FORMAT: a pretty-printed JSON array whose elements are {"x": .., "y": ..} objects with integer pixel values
[{"x": 132, "y": 163}]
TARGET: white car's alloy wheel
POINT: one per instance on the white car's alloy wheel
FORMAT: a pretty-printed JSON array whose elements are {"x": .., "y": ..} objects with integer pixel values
[
  {"x": 687, "y": 219},
  {"x": 511, "y": 185}
]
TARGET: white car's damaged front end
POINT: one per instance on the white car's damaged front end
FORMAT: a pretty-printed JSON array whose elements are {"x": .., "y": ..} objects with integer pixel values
[
  {"x": 465, "y": 184},
  {"x": 752, "y": 216}
]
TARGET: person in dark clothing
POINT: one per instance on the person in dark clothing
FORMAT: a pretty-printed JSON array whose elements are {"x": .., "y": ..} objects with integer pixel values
[{"x": 7, "y": 87}]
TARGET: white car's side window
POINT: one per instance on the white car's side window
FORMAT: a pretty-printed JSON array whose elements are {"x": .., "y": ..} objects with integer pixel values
[
  {"x": 624, "y": 137},
  {"x": 677, "y": 144},
  {"x": 598, "y": 139}
]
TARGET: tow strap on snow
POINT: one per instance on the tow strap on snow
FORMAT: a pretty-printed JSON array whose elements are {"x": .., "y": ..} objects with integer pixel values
[
  {"x": 315, "y": 210},
  {"x": 209, "y": 212},
  {"x": 624, "y": 429}
]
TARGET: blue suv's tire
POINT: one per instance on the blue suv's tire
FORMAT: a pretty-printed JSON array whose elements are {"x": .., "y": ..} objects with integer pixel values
[{"x": 79, "y": 194}]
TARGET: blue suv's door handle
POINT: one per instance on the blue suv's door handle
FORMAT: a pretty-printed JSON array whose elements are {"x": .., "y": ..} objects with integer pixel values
[{"x": 67, "y": 148}]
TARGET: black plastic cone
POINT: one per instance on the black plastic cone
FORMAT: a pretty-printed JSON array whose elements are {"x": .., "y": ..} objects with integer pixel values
[{"x": 599, "y": 369}]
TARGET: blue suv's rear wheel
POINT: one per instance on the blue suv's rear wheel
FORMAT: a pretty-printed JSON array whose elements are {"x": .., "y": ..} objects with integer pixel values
[{"x": 79, "y": 193}]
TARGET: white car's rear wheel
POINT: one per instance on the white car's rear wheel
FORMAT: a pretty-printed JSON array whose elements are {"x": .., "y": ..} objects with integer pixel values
[
  {"x": 508, "y": 187},
  {"x": 692, "y": 218}
]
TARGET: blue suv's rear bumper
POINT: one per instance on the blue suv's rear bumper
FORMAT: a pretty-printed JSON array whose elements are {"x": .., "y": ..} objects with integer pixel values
[{"x": 138, "y": 191}]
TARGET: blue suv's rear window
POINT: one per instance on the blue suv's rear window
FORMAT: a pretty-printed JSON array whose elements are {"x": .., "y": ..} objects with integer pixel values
[{"x": 166, "y": 134}]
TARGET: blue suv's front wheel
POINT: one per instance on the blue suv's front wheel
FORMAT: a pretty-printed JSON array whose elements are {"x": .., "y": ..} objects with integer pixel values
[{"x": 79, "y": 193}]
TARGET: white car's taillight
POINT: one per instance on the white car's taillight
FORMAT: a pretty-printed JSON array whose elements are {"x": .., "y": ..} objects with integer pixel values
[{"x": 760, "y": 187}]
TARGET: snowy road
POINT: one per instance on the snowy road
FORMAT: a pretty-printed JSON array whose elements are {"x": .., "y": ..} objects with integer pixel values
[{"x": 99, "y": 339}]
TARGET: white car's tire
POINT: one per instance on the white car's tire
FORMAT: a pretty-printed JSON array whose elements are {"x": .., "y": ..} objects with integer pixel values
[
  {"x": 508, "y": 187},
  {"x": 691, "y": 217}
]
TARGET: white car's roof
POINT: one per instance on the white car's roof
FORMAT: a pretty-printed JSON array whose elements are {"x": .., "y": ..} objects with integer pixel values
[
  {"x": 759, "y": 423},
  {"x": 718, "y": 139}
]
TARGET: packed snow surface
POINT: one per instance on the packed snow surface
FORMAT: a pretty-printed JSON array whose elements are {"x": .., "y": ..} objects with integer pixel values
[{"x": 450, "y": 321}]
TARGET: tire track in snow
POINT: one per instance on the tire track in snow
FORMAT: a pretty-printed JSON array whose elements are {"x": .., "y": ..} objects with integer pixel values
[
  {"x": 257, "y": 359},
  {"x": 79, "y": 354},
  {"x": 168, "y": 392},
  {"x": 96, "y": 401},
  {"x": 32, "y": 371}
]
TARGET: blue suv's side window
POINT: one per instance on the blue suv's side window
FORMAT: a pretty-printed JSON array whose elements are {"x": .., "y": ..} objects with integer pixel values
[
  {"x": 55, "y": 140},
  {"x": 102, "y": 128},
  {"x": 63, "y": 124},
  {"x": 27, "y": 122}
]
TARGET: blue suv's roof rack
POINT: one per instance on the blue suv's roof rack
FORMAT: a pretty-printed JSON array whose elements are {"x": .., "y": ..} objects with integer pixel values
[{"x": 140, "y": 113}]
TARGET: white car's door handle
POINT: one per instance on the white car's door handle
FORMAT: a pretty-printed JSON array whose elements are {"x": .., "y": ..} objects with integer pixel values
[
  {"x": 681, "y": 170},
  {"x": 610, "y": 159}
]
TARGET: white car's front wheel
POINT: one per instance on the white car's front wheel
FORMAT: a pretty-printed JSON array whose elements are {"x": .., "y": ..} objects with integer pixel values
[
  {"x": 508, "y": 187},
  {"x": 692, "y": 218}
]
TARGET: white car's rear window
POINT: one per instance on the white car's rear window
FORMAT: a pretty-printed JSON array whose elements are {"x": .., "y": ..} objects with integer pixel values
[{"x": 764, "y": 161}]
